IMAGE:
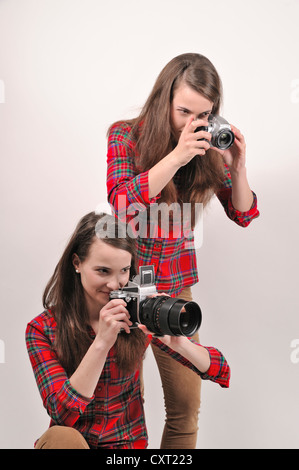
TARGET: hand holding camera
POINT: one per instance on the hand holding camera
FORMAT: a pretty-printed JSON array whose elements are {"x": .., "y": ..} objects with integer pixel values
[
  {"x": 162, "y": 315},
  {"x": 199, "y": 136},
  {"x": 192, "y": 143},
  {"x": 235, "y": 157},
  {"x": 222, "y": 136},
  {"x": 113, "y": 318}
]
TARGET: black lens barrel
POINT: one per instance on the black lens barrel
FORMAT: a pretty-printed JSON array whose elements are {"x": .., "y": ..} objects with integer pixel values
[
  {"x": 224, "y": 139},
  {"x": 165, "y": 315}
]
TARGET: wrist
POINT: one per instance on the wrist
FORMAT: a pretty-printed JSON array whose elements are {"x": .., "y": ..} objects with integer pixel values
[
  {"x": 180, "y": 344},
  {"x": 174, "y": 160},
  {"x": 99, "y": 346},
  {"x": 238, "y": 173}
]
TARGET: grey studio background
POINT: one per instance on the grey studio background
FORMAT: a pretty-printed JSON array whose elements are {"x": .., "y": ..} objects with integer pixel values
[{"x": 68, "y": 69}]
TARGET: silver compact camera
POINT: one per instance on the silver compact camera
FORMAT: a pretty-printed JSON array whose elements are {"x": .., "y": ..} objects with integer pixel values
[
  {"x": 222, "y": 135},
  {"x": 161, "y": 314}
]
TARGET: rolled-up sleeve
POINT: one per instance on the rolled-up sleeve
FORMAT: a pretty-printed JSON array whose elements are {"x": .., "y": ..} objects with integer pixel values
[
  {"x": 225, "y": 197},
  {"x": 62, "y": 402},
  {"x": 125, "y": 185},
  {"x": 219, "y": 370}
]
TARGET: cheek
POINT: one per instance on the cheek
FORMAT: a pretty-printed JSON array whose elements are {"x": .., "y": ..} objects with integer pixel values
[
  {"x": 126, "y": 279},
  {"x": 178, "y": 121},
  {"x": 90, "y": 281}
]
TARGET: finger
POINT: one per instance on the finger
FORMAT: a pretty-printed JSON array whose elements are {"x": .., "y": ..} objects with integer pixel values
[
  {"x": 115, "y": 302},
  {"x": 159, "y": 294},
  {"x": 189, "y": 122},
  {"x": 237, "y": 133},
  {"x": 199, "y": 123},
  {"x": 218, "y": 150},
  {"x": 118, "y": 312},
  {"x": 239, "y": 142},
  {"x": 116, "y": 324},
  {"x": 187, "y": 126},
  {"x": 144, "y": 329},
  {"x": 114, "y": 310},
  {"x": 122, "y": 317},
  {"x": 123, "y": 327},
  {"x": 200, "y": 152},
  {"x": 203, "y": 135},
  {"x": 202, "y": 145}
]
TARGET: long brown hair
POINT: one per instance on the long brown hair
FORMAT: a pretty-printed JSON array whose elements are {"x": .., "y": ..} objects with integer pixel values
[
  {"x": 154, "y": 136},
  {"x": 64, "y": 296}
]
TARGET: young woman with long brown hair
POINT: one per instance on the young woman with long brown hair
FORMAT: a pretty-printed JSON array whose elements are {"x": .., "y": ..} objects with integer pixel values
[
  {"x": 84, "y": 355},
  {"x": 161, "y": 156}
]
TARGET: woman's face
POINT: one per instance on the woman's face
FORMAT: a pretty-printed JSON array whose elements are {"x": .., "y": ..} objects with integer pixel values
[
  {"x": 186, "y": 103},
  {"x": 105, "y": 269}
]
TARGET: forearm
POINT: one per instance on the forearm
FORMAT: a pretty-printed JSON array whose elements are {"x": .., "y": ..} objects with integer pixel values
[
  {"x": 208, "y": 362},
  {"x": 194, "y": 353},
  {"x": 242, "y": 197},
  {"x": 87, "y": 374},
  {"x": 161, "y": 173}
]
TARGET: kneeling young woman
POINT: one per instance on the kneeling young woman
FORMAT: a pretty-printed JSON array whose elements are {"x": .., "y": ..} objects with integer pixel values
[{"x": 85, "y": 357}]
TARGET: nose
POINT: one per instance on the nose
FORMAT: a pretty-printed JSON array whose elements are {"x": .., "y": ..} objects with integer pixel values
[{"x": 113, "y": 283}]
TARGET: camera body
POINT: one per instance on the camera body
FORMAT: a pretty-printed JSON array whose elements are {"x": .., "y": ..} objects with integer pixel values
[
  {"x": 162, "y": 315},
  {"x": 222, "y": 135},
  {"x": 137, "y": 290}
]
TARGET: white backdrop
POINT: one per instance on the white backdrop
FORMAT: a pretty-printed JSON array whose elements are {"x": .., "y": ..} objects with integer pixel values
[{"x": 68, "y": 69}]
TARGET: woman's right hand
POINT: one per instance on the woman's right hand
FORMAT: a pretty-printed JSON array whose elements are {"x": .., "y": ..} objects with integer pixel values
[
  {"x": 113, "y": 317},
  {"x": 189, "y": 144},
  {"x": 187, "y": 147}
]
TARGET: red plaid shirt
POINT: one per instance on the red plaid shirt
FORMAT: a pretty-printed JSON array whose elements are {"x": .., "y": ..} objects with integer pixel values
[
  {"x": 113, "y": 417},
  {"x": 174, "y": 257}
]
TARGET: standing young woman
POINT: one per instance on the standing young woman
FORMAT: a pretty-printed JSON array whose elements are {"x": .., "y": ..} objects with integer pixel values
[
  {"x": 158, "y": 157},
  {"x": 84, "y": 355}
]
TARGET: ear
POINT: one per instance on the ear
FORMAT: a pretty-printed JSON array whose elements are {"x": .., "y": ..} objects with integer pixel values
[{"x": 76, "y": 262}]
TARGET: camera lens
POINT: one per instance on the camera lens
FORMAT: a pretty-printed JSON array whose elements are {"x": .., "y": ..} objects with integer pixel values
[
  {"x": 225, "y": 140},
  {"x": 164, "y": 315}
]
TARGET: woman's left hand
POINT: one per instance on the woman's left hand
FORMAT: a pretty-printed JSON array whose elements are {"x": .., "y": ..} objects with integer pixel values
[
  {"x": 235, "y": 156},
  {"x": 173, "y": 342}
]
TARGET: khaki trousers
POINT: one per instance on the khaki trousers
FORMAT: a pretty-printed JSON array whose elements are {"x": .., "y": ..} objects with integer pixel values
[
  {"x": 61, "y": 437},
  {"x": 181, "y": 388}
]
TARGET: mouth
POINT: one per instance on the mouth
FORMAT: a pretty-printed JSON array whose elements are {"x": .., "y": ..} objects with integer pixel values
[{"x": 104, "y": 292}]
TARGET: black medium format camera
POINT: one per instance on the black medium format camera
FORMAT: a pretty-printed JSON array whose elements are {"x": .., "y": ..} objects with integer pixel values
[
  {"x": 162, "y": 315},
  {"x": 222, "y": 135}
]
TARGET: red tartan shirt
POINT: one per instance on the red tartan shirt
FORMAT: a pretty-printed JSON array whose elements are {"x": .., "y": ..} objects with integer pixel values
[
  {"x": 174, "y": 257},
  {"x": 113, "y": 417}
]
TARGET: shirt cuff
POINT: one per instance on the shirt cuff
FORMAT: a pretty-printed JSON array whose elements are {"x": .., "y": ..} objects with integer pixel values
[
  {"x": 140, "y": 187},
  {"x": 219, "y": 370},
  {"x": 243, "y": 218},
  {"x": 70, "y": 399}
]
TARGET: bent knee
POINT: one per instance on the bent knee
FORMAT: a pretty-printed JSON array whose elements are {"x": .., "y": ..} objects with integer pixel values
[{"x": 61, "y": 437}]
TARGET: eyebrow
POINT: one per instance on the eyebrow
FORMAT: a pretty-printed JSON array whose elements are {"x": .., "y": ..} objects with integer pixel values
[{"x": 105, "y": 267}]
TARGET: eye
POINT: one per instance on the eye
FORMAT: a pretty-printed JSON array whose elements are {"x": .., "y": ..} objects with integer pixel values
[
  {"x": 206, "y": 114},
  {"x": 183, "y": 111},
  {"x": 102, "y": 270},
  {"x": 125, "y": 270}
]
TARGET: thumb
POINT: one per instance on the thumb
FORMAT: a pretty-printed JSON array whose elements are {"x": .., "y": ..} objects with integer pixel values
[{"x": 144, "y": 329}]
